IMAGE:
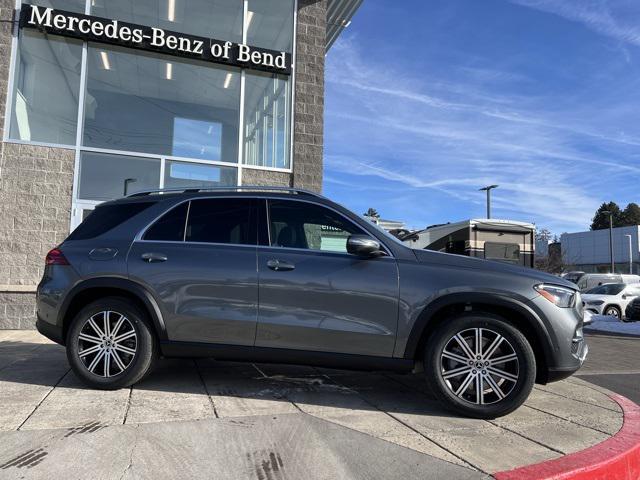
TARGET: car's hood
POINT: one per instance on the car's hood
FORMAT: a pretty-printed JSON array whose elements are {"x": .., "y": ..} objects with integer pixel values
[{"x": 462, "y": 261}]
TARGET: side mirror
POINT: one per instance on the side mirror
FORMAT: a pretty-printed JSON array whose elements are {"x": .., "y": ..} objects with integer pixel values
[{"x": 363, "y": 246}]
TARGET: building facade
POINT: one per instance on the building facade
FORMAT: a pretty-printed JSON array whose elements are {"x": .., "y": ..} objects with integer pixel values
[
  {"x": 590, "y": 251},
  {"x": 102, "y": 98}
]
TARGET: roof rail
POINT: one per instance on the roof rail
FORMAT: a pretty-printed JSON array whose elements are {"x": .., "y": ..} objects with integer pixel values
[{"x": 298, "y": 191}]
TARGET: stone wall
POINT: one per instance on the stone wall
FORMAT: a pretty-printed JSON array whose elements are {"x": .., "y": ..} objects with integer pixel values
[
  {"x": 309, "y": 94},
  {"x": 265, "y": 177},
  {"x": 35, "y": 205}
]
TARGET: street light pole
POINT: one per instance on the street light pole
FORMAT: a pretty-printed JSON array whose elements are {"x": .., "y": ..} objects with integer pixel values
[
  {"x": 488, "y": 190},
  {"x": 630, "y": 255},
  {"x": 613, "y": 267}
]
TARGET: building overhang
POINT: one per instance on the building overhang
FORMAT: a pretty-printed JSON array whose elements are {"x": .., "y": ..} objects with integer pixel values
[{"x": 339, "y": 14}]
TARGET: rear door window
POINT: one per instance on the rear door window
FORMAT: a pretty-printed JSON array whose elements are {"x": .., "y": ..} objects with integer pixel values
[
  {"x": 222, "y": 220},
  {"x": 107, "y": 217},
  {"x": 170, "y": 227}
]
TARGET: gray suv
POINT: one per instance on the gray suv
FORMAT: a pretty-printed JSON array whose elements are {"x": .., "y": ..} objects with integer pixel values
[{"x": 283, "y": 275}]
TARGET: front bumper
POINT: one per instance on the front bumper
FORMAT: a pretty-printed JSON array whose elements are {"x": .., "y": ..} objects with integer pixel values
[{"x": 569, "y": 349}]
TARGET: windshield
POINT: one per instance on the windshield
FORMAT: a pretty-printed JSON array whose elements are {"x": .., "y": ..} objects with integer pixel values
[{"x": 607, "y": 289}]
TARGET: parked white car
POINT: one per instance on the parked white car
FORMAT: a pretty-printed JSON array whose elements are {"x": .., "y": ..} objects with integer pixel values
[
  {"x": 590, "y": 280},
  {"x": 610, "y": 299}
]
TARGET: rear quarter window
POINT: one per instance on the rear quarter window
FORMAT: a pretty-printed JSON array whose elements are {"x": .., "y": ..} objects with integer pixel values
[{"x": 105, "y": 218}]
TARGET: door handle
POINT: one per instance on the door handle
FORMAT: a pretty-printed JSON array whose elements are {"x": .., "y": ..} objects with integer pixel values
[
  {"x": 153, "y": 257},
  {"x": 280, "y": 266}
]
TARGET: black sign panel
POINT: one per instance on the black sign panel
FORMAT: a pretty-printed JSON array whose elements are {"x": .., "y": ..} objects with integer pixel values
[{"x": 115, "y": 32}]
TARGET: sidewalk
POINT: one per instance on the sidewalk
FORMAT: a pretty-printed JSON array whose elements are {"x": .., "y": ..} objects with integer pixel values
[{"x": 194, "y": 412}]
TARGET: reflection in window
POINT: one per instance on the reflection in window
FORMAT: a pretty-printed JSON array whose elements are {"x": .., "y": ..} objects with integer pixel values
[
  {"x": 269, "y": 24},
  {"x": 188, "y": 136},
  {"x": 105, "y": 177},
  {"x": 266, "y": 116},
  {"x": 308, "y": 226},
  {"x": 133, "y": 100},
  {"x": 184, "y": 174},
  {"x": 219, "y": 19},
  {"x": 76, "y": 6},
  {"x": 47, "y": 85}
]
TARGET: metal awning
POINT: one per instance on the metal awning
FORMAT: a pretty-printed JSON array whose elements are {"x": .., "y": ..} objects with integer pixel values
[{"x": 339, "y": 13}]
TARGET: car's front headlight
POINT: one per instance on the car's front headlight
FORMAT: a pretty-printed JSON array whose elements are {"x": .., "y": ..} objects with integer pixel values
[{"x": 561, "y": 296}]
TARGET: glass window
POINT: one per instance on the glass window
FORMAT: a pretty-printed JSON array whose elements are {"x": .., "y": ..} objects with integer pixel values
[
  {"x": 607, "y": 289},
  {"x": 219, "y": 19},
  {"x": 184, "y": 174},
  {"x": 152, "y": 103},
  {"x": 269, "y": 24},
  {"x": 47, "y": 86},
  {"x": 105, "y": 218},
  {"x": 170, "y": 227},
  {"x": 506, "y": 252},
  {"x": 221, "y": 220},
  {"x": 105, "y": 177},
  {"x": 305, "y": 225},
  {"x": 76, "y": 6},
  {"x": 266, "y": 116}
]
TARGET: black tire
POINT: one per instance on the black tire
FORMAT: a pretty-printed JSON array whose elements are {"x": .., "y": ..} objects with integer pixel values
[
  {"x": 612, "y": 311},
  {"x": 516, "y": 392},
  {"x": 137, "y": 365}
]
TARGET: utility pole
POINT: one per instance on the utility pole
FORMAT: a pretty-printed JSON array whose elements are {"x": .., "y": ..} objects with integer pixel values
[
  {"x": 630, "y": 255},
  {"x": 488, "y": 190},
  {"x": 607, "y": 212}
]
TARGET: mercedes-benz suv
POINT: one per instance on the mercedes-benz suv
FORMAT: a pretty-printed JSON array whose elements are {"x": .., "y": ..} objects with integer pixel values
[{"x": 284, "y": 275}]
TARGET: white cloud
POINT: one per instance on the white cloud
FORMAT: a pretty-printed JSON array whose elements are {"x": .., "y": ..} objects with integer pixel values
[{"x": 453, "y": 137}]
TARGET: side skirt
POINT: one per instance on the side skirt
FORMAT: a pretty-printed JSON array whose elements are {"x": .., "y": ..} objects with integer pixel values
[{"x": 242, "y": 353}]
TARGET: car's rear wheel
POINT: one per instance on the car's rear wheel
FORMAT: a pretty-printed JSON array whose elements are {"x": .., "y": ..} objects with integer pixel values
[
  {"x": 612, "y": 311},
  {"x": 479, "y": 365},
  {"x": 110, "y": 344}
]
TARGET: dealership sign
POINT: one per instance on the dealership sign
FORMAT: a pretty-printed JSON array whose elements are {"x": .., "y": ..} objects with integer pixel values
[{"x": 115, "y": 32}]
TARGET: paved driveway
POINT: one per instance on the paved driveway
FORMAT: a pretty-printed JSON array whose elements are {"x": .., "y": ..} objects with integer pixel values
[{"x": 245, "y": 420}]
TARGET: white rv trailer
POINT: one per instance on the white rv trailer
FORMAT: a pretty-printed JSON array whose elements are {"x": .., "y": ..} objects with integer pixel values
[{"x": 501, "y": 240}]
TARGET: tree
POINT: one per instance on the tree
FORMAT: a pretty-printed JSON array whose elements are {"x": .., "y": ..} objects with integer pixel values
[
  {"x": 372, "y": 213},
  {"x": 601, "y": 219},
  {"x": 544, "y": 235},
  {"x": 631, "y": 215}
]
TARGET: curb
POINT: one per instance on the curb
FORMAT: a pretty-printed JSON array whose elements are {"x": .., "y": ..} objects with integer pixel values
[{"x": 617, "y": 458}]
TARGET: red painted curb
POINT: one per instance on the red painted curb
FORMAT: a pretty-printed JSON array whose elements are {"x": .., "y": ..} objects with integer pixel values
[{"x": 617, "y": 458}]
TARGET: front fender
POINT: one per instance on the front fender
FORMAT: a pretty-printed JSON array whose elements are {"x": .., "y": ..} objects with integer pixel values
[{"x": 490, "y": 297}]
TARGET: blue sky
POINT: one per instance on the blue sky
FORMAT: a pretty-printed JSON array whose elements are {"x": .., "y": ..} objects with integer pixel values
[{"x": 426, "y": 101}]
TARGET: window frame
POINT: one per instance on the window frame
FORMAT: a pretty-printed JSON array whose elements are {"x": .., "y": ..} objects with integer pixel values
[
  {"x": 254, "y": 217},
  {"x": 78, "y": 148}
]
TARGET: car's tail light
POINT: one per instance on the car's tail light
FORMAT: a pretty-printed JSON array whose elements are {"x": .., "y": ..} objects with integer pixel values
[{"x": 56, "y": 257}]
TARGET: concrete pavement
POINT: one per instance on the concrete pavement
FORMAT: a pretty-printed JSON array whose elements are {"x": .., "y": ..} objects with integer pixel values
[{"x": 228, "y": 417}]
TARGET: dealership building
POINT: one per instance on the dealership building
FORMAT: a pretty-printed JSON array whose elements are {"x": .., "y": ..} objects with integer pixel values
[
  {"x": 591, "y": 251},
  {"x": 102, "y": 98}
]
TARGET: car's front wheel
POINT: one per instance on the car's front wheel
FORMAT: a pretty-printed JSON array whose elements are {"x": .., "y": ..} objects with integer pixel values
[
  {"x": 110, "y": 344},
  {"x": 479, "y": 365}
]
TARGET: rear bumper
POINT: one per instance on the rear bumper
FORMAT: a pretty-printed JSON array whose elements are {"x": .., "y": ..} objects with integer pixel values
[{"x": 52, "y": 332}]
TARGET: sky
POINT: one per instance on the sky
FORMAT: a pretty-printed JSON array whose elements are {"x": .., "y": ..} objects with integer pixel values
[{"x": 428, "y": 100}]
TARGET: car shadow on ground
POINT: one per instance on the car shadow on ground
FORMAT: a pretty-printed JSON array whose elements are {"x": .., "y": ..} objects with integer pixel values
[{"x": 312, "y": 387}]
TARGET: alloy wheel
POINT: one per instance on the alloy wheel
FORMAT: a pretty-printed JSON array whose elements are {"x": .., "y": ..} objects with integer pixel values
[
  {"x": 479, "y": 366},
  {"x": 107, "y": 343},
  {"x": 612, "y": 312}
]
